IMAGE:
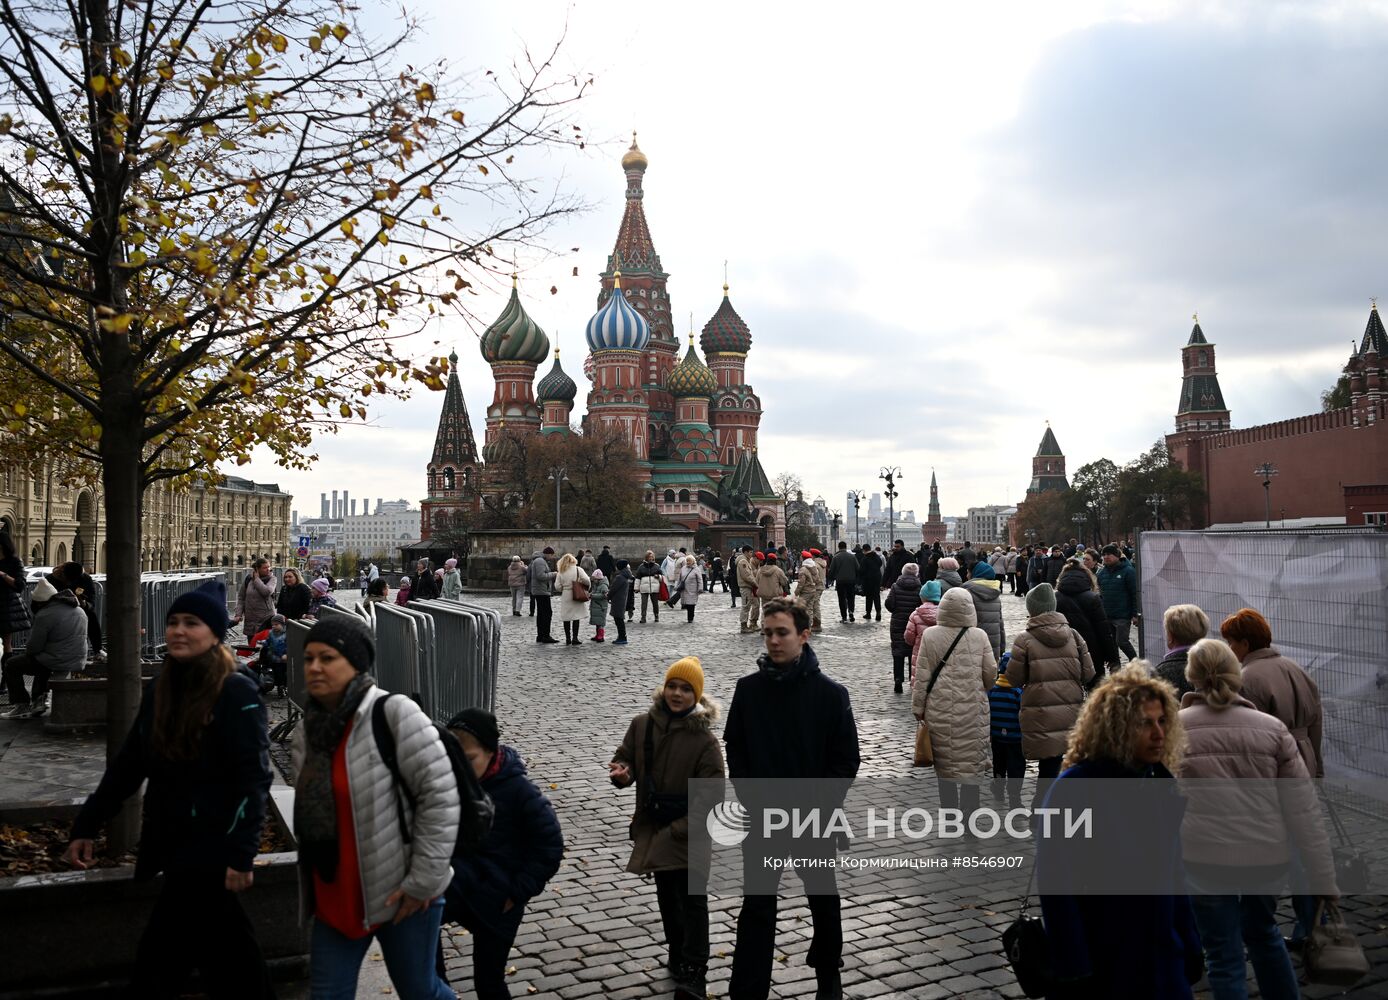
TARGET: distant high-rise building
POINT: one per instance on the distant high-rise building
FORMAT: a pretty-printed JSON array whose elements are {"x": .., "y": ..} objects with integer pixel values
[{"x": 875, "y": 507}]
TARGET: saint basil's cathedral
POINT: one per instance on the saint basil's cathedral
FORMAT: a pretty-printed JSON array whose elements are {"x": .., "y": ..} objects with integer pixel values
[{"x": 692, "y": 425}]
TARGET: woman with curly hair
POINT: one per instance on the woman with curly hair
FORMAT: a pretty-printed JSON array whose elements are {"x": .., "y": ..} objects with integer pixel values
[{"x": 1137, "y": 946}]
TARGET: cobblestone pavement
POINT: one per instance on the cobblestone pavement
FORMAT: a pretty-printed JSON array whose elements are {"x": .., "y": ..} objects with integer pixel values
[{"x": 596, "y": 930}]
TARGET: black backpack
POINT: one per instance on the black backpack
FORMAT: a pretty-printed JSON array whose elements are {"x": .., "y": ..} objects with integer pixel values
[{"x": 475, "y": 808}]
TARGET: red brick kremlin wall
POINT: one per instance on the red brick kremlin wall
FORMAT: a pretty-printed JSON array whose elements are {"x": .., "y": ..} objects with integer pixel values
[{"x": 1316, "y": 456}]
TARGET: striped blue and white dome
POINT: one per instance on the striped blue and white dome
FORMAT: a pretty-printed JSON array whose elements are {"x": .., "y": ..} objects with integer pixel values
[{"x": 617, "y": 326}]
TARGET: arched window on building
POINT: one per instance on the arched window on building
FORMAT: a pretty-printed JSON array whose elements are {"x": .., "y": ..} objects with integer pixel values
[
  {"x": 684, "y": 496},
  {"x": 669, "y": 496},
  {"x": 467, "y": 479},
  {"x": 447, "y": 479},
  {"x": 1204, "y": 360}
]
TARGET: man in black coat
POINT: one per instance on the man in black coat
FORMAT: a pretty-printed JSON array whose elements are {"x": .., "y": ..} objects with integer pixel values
[
  {"x": 870, "y": 579},
  {"x": 899, "y": 558},
  {"x": 607, "y": 562},
  {"x": 843, "y": 574},
  {"x": 788, "y": 721},
  {"x": 967, "y": 557}
]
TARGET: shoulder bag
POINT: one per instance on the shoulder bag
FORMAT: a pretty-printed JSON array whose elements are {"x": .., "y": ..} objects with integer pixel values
[
  {"x": 924, "y": 755},
  {"x": 662, "y": 808},
  {"x": 580, "y": 589},
  {"x": 1027, "y": 949},
  {"x": 1351, "y": 865}
]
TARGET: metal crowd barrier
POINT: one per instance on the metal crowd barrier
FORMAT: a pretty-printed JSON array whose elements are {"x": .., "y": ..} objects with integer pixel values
[
  {"x": 468, "y": 643},
  {"x": 397, "y": 650},
  {"x": 296, "y": 636}
]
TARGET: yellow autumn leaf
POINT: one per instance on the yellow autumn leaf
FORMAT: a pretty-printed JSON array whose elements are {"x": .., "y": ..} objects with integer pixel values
[
  {"x": 30, "y": 155},
  {"x": 255, "y": 59},
  {"x": 345, "y": 410},
  {"x": 20, "y": 409},
  {"x": 98, "y": 85},
  {"x": 279, "y": 43},
  {"x": 340, "y": 32},
  {"x": 315, "y": 43}
]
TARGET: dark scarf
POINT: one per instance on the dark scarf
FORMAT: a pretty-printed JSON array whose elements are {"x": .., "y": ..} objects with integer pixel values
[
  {"x": 315, "y": 809},
  {"x": 677, "y": 715},
  {"x": 779, "y": 671}
]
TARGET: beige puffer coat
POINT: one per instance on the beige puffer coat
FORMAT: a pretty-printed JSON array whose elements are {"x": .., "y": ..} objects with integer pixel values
[
  {"x": 809, "y": 582},
  {"x": 1051, "y": 664},
  {"x": 1242, "y": 743},
  {"x": 683, "y": 749},
  {"x": 957, "y": 710},
  {"x": 771, "y": 582},
  {"x": 421, "y": 867}
]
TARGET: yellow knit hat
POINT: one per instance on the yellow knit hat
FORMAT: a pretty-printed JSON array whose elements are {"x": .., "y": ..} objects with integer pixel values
[{"x": 689, "y": 671}]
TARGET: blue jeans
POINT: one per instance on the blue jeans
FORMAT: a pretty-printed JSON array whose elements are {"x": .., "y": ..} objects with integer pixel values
[
  {"x": 1227, "y": 925},
  {"x": 408, "y": 947}
]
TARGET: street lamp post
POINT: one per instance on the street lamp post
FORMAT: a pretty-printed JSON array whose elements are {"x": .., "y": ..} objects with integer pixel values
[
  {"x": 856, "y": 496},
  {"x": 1267, "y": 472},
  {"x": 558, "y": 474},
  {"x": 1078, "y": 521},
  {"x": 1156, "y": 501},
  {"x": 891, "y": 473},
  {"x": 834, "y": 538}
]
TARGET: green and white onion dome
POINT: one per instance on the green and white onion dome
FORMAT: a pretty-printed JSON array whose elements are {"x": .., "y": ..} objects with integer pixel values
[
  {"x": 514, "y": 336},
  {"x": 500, "y": 448}
]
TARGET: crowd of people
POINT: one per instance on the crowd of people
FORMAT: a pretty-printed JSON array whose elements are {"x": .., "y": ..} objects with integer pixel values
[{"x": 404, "y": 826}]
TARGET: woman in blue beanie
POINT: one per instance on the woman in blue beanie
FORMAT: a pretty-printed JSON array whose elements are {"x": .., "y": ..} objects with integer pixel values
[{"x": 200, "y": 740}]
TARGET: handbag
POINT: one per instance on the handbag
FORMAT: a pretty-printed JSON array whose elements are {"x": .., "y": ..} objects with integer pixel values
[
  {"x": 674, "y": 598},
  {"x": 664, "y": 589},
  {"x": 1332, "y": 954},
  {"x": 924, "y": 755},
  {"x": 1351, "y": 866},
  {"x": 1027, "y": 948},
  {"x": 580, "y": 590},
  {"x": 662, "y": 808}
]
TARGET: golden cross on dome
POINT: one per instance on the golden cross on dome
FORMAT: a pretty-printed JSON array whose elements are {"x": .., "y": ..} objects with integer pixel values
[{"x": 1195, "y": 316}]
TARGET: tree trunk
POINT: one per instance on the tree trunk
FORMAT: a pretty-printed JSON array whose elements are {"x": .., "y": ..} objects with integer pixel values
[{"x": 120, "y": 479}]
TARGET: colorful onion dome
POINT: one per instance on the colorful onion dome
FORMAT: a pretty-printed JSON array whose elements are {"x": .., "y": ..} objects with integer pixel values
[
  {"x": 634, "y": 158},
  {"x": 499, "y": 448},
  {"x": 726, "y": 333},
  {"x": 514, "y": 336},
  {"x": 556, "y": 386},
  {"x": 691, "y": 376},
  {"x": 617, "y": 326}
]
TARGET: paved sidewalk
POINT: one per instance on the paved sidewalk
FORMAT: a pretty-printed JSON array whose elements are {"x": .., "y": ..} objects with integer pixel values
[{"x": 596, "y": 930}]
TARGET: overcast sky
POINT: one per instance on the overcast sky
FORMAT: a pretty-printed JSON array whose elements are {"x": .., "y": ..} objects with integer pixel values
[{"x": 947, "y": 224}]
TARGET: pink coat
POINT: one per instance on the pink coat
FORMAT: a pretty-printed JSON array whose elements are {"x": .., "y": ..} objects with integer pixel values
[{"x": 921, "y": 619}]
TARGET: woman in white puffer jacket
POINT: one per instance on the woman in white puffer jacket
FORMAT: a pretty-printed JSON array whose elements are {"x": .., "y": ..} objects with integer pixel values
[
  {"x": 373, "y": 859},
  {"x": 956, "y": 707}
]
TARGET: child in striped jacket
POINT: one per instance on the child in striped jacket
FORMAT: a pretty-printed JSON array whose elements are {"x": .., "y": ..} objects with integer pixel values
[{"x": 1005, "y": 734}]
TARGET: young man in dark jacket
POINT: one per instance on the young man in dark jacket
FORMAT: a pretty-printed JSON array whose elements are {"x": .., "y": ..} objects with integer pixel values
[
  {"x": 870, "y": 579},
  {"x": 1118, "y": 588},
  {"x": 788, "y": 720},
  {"x": 622, "y": 581},
  {"x": 843, "y": 574}
]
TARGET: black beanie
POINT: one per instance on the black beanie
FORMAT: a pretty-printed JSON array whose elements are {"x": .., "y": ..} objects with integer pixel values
[
  {"x": 480, "y": 724},
  {"x": 208, "y": 604},
  {"x": 349, "y": 636}
]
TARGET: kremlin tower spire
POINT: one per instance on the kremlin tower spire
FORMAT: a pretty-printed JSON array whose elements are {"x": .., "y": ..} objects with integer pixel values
[
  {"x": 934, "y": 528},
  {"x": 1202, "y": 404}
]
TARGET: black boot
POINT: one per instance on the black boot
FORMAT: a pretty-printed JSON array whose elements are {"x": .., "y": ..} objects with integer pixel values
[
  {"x": 829, "y": 985},
  {"x": 691, "y": 982}
]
